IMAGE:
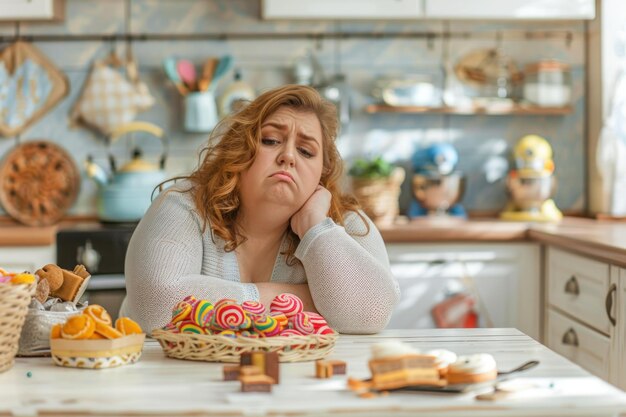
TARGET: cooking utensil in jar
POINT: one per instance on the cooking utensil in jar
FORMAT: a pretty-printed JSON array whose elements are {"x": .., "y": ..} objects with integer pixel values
[
  {"x": 169, "y": 66},
  {"x": 208, "y": 69},
  {"x": 187, "y": 73}
]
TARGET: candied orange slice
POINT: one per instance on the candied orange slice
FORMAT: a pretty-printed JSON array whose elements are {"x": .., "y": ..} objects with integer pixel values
[
  {"x": 23, "y": 278},
  {"x": 98, "y": 314},
  {"x": 127, "y": 326},
  {"x": 107, "y": 331},
  {"x": 80, "y": 326},
  {"x": 55, "y": 331},
  {"x": 96, "y": 336}
]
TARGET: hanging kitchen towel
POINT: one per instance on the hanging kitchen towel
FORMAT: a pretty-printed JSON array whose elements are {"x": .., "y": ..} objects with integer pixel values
[
  {"x": 109, "y": 98},
  {"x": 30, "y": 85}
]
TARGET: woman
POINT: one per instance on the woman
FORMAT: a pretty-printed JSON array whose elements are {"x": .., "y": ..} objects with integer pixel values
[{"x": 263, "y": 215}]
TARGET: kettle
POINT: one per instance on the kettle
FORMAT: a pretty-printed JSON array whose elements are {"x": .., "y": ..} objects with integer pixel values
[{"x": 126, "y": 194}]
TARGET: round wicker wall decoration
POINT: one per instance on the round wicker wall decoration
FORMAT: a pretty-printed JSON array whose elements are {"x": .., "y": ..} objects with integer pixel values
[{"x": 39, "y": 182}]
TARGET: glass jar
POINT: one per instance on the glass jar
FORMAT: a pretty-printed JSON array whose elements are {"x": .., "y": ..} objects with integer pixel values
[{"x": 548, "y": 84}]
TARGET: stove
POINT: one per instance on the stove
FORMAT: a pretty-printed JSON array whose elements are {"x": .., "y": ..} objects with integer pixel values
[{"x": 101, "y": 247}]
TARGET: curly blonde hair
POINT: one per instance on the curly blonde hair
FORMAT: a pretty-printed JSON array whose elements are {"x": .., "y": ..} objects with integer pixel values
[{"x": 232, "y": 148}]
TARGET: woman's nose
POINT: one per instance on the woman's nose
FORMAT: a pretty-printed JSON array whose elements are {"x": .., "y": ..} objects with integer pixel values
[{"x": 286, "y": 156}]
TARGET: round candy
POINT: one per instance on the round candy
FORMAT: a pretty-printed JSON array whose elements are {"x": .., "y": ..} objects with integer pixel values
[
  {"x": 250, "y": 333},
  {"x": 224, "y": 301},
  {"x": 267, "y": 326},
  {"x": 190, "y": 299},
  {"x": 247, "y": 322},
  {"x": 302, "y": 324},
  {"x": 290, "y": 332},
  {"x": 317, "y": 320},
  {"x": 324, "y": 330},
  {"x": 201, "y": 313},
  {"x": 229, "y": 316},
  {"x": 190, "y": 327},
  {"x": 171, "y": 327},
  {"x": 181, "y": 311},
  {"x": 253, "y": 307},
  {"x": 282, "y": 320},
  {"x": 228, "y": 333},
  {"x": 286, "y": 303}
]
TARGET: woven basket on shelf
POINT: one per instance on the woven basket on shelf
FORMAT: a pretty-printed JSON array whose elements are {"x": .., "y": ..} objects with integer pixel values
[
  {"x": 212, "y": 348},
  {"x": 378, "y": 197},
  {"x": 14, "y": 301}
]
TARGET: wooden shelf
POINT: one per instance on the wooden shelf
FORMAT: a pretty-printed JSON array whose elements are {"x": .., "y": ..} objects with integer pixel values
[{"x": 516, "y": 109}]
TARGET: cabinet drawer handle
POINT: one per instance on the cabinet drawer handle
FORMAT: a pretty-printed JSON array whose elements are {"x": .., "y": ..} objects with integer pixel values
[
  {"x": 571, "y": 286},
  {"x": 570, "y": 338},
  {"x": 608, "y": 303}
]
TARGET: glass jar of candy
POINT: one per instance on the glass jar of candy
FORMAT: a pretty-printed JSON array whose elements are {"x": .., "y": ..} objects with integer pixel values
[{"x": 548, "y": 84}]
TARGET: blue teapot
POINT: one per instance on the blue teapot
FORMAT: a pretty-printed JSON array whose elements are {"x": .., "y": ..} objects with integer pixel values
[{"x": 126, "y": 194}]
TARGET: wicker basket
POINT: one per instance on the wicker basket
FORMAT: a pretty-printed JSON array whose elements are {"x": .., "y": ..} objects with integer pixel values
[
  {"x": 14, "y": 301},
  {"x": 211, "y": 348},
  {"x": 379, "y": 197}
]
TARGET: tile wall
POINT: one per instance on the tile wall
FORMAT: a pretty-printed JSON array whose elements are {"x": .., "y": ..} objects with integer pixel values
[{"x": 483, "y": 142}]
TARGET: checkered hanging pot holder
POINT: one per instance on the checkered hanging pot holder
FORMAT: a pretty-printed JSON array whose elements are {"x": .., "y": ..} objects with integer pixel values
[{"x": 109, "y": 98}]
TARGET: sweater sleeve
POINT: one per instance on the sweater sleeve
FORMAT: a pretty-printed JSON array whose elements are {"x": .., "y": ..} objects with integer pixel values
[
  {"x": 164, "y": 263},
  {"x": 349, "y": 275}
]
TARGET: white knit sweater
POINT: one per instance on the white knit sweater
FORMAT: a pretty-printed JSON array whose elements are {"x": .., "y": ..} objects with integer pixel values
[{"x": 169, "y": 258}]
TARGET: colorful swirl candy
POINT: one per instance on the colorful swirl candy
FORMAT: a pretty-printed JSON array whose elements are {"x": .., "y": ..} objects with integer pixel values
[
  {"x": 247, "y": 322},
  {"x": 201, "y": 313},
  {"x": 224, "y": 301},
  {"x": 171, "y": 327},
  {"x": 228, "y": 333},
  {"x": 290, "y": 332},
  {"x": 253, "y": 307},
  {"x": 267, "y": 326},
  {"x": 229, "y": 316},
  {"x": 324, "y": 330},
  {"x": 301, "y": 323},
  {"x": 190, "y": 327},
  {"x": 286, "y": 303},
  {"x": 317, "y": 320},
  {"x": 181, "y": 312},
  {"x": 190, "y": 299},
  {"x": 250, "y": 334},
  {"x": 282, "y": 320}
]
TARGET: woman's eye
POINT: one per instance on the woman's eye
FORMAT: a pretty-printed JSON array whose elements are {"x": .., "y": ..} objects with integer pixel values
[
  {"x": 306, "y": 153},
  {"x": 268, "y": 141}
]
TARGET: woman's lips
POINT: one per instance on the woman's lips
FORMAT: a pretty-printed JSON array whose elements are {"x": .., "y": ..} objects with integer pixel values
[{"x": 283, "y": 176}]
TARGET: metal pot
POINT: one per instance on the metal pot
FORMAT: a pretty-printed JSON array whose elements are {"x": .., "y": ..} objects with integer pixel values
[
  {"x": 438, "y": 192},
  {"x": 529, "y": 192}
]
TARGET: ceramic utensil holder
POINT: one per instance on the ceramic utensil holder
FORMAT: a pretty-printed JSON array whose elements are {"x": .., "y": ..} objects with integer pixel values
[{"x": 200, "y": 111}]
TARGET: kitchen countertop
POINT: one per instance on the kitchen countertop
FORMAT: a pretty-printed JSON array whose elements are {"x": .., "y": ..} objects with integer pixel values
[
  {"x": 605, "y": 240},
  {"x": 158, "y": 386}
]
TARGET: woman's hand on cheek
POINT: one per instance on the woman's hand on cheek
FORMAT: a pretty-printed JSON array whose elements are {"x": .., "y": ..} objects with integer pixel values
[{"x": 314, "y": 211}]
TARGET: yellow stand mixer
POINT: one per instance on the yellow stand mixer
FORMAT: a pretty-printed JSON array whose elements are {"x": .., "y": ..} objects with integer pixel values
[{"x": 531, "y": 184}]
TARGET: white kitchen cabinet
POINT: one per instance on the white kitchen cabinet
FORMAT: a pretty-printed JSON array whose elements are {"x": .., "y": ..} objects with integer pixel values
[
  {"x": 26, "y": 258},
  {"x": 619, "y": 342},
  {"x": 344, "y": 9},
  {"x": 583, "y": 304},
  {"x": 31, "y": 9},
  {"x": 511, "y": 9},
  {"x": 506, "y": 277}
]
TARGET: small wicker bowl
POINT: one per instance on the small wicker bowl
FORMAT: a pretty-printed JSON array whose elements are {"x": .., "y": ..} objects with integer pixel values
[
  {"x": 213, "y": 348},
  {"x": 97, "y": 354},
  {"x": 14, "y": 301}
]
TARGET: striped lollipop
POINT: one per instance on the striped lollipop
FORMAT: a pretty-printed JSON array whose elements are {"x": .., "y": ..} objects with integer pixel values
[
  {"x": 290, "y": 332},
  {"x": 282, "y": 320},
  {"x": 267, "y": 326},
  {"x": 302, "y": 324},
  {"x": 181, "y": 312},
  {"x": 253, "y": 307},
  {"x": 224, "y": 301},
  {"x": 190, "y": 327},
  {"x": 229, "y": 316},
  {"x": 317, "y": 320},
  {"x": 286, "y": 303},
  {"x": 324, "y": 330},
  {"x": 201, "y": 313}
]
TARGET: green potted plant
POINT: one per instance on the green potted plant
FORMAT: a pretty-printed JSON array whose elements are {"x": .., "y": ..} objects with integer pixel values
[{"x": 376, "y": 184}]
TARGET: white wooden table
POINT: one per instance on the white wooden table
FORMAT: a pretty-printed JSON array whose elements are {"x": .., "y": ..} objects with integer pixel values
[{"x": 159, "y": 386}]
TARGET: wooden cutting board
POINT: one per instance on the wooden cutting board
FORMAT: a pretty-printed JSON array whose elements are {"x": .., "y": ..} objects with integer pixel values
[{"x": 39, "y": 182}]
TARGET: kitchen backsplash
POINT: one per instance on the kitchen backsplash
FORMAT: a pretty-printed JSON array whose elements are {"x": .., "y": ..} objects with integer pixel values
[{"x": 483, "y": 142}]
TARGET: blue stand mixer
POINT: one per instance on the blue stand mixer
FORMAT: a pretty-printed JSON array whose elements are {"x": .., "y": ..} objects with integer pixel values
[{"x": 437, "y": 186}]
